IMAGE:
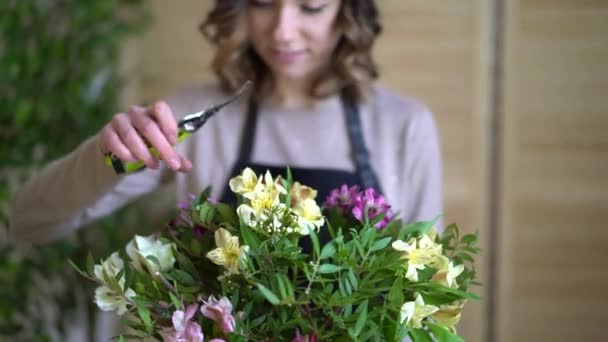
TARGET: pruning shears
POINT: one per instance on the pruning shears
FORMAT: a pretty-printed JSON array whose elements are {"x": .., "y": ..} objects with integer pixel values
[{"x": 186, "y": 127}]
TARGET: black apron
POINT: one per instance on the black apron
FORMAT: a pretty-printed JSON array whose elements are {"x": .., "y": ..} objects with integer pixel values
[{"x": 322, "y": 180}]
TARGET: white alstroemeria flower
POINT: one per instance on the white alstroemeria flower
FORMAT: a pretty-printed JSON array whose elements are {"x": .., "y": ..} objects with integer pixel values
[
  {"x": 108, "y": 300},
  {"x": 300, "y": 193},
  {"x": 261, "y": 204},
  {"x": 447, "y": 273},
  {"x": 412, "y": 313},
  {"x": 112, "y": 266},
  {"x": 418, "y": 253},
  {"x": 244, "y": 183},
  {"x": 141, "y": 247},
  {"x": 228, "y": 253},
  {"x": 269, "y": 185},
  {"x": 309, "y": 215},
  {"x": 449, "y": 315}
]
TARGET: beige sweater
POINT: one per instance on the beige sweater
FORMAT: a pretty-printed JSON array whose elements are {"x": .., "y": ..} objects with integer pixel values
[{"x": 400, "y": 133}]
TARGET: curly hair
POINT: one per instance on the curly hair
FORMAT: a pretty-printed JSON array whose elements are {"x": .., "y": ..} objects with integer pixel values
[{"x": 352, "y": 66}]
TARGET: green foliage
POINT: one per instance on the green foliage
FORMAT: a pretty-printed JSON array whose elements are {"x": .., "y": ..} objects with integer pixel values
[
  {"x": 58, "y": 85},
  {"x": 352, "y": 287}
]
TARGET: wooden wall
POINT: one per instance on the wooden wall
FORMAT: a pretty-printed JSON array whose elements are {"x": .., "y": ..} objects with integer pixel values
[
  {"x": 544, "y": 166},
  {"x": 554, "y": 198}
]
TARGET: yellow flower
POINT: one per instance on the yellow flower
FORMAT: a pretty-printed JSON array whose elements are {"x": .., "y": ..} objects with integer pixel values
[
  {"x": 449, "y": 315},
  {"x": 300, "y": 193},
  {"x": 244, "y": 183},
  {"x": 309, "y": 214},
  {"x": 270, "y": 185},
  {"x": 261, "y": 204},
  {"x": 228, "y": 252},
  {"x": 419, "y": 253},
  {"x": 412, "y": 313},
  {"x": 448, "y": 273}
]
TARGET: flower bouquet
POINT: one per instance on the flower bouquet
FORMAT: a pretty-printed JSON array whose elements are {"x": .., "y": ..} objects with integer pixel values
[{"x": 261, "y": 271}]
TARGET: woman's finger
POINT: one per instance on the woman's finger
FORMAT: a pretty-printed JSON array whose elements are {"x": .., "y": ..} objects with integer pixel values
[
  {"x": 111, "y": 142},
  {"x": 163, "y": 115},
  {"x": 130, "y": 137},
  {"x": 155, "y": 137}
]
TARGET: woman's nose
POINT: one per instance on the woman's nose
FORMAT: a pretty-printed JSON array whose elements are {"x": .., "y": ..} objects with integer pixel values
[{"x": 285, "y": 23}]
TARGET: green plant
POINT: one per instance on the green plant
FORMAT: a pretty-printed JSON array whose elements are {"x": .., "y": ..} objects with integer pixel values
[{"x": 58, "y": 85}]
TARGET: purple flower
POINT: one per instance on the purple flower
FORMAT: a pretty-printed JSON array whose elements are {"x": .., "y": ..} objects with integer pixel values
[
  {"x": 187, "y": 204},
  {"x": 184, "y": 330},
  {"x": 343, "y": 198},
  {"x": 220, "y": 311},
  {"x": 375, "y": 204},
  {"x": 305, "y": 338}
]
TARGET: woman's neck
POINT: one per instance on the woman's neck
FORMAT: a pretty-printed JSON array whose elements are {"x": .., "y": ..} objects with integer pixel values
[{"x": 290, "y": 94}]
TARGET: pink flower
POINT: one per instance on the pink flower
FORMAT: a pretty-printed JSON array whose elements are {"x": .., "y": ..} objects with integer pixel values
[
  {"x": 343, "y": 198},
  {"x": 184, "y": 330},
  {"x": 376, "y": 205},
  {"x": 219, "y": 311},
  {"x": 305, "y": 338}
]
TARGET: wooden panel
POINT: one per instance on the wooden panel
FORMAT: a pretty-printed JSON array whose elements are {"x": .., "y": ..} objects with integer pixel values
[{"x": 554, "y": 244}]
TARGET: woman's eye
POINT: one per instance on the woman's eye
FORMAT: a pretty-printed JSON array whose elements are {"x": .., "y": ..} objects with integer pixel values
[
  {"x": 261, "y": 3},
  {"x": 313, "y": 9}
]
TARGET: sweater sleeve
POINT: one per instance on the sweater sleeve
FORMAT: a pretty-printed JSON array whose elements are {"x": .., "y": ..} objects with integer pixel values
[
  {"x": 422, "y": 164},
  {"x": 71, "y": 192}
]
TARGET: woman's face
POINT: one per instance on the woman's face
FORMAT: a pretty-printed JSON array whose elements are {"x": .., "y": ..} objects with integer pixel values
[{"x": 295, "y": 38}]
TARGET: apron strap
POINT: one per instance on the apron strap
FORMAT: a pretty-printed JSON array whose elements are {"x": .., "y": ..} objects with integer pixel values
[
  {"x": 359, "y": 149},
  {"x": 248, "y": 135}
]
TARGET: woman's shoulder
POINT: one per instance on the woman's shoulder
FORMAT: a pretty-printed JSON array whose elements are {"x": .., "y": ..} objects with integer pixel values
[{"x": 401, "y": 111}]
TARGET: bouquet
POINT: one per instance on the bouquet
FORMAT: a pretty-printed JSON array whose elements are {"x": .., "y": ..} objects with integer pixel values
[{"x": 278, "y": 266}]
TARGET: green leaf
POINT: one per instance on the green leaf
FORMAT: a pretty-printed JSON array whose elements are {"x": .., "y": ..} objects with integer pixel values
[
  {"x": 395, "y": 295},
  {"x": 90, "y": 264},
  {"x": 353, "y": 279},
  {"x": 186, "y": 264},
  {"x": 421, "y": 227},
  {"x": 361, "y": 319},
  {"x": 420, "y": 335},
  {"x": 329, "y": 268},
  {"x": 269, "y": 295},
  {"x": 183, "y": 277},
  {"x": 314, "y": 238},
  {"x": 227, "y": 214},
  {"x": 381, "y": 244},
  {"x": 206, "y": 213},
  {"x": 258, "y": 321},
  {"x": 469, "y": 239},
  {"x": 443, "y": 334},
  {"x": 441, "y": 288},
  {"x": 82, "y": 273},
  {"x": 175, "y": 301},
  {"x": 282, "y": 286},
  {"x": 144, "y": 314},
  {"x": 154, "y": 260},
  {"x": 195, "y": 247},
  {"x": 249, "y": 237},
  {"x": 328, "y": 251},
  {"x": 129, "y": 276}
]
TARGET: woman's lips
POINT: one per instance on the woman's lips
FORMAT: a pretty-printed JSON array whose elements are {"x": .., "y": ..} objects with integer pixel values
[{"x": 287, "y": 56}]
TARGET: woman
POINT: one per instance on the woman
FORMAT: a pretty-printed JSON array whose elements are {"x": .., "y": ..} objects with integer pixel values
[{"x": 315, "y": 108}]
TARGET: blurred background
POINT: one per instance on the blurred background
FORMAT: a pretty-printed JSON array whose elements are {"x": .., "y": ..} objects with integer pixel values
[{"x": 519, "y": 89}]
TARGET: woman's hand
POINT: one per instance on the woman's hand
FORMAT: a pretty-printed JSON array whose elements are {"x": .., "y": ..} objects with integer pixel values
[{"x": 127, "y": 133}]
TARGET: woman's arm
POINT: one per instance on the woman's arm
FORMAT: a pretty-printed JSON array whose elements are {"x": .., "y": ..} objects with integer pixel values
[{"x": 71, "y": 192}]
